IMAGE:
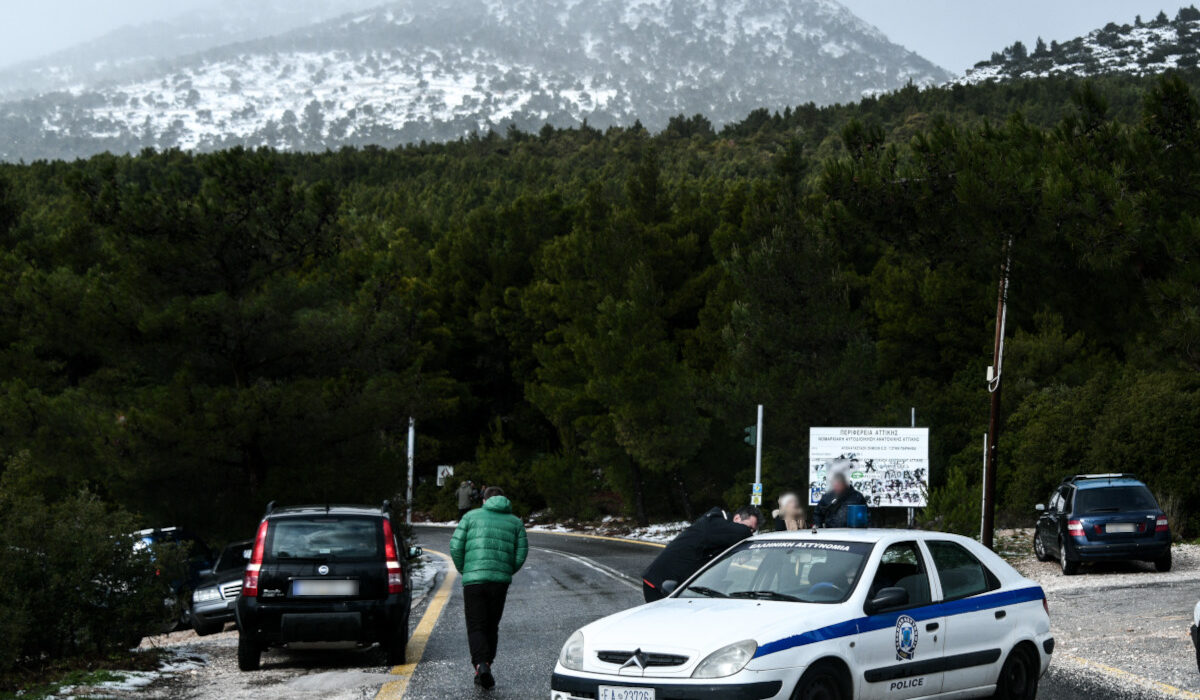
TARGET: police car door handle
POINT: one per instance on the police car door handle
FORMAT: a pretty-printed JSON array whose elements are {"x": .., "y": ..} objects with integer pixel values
[
  {"x": 931, "y": 627},
  {"x": 1000, "y": 614}
]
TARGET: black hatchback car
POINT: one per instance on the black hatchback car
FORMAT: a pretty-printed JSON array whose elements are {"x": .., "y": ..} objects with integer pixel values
[
  {"x": 1102, "y": 517},
  {"x": 325, "y": 574}
]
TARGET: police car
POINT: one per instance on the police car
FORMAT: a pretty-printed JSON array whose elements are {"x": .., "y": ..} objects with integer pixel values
[{"x": 828, "y": 615}]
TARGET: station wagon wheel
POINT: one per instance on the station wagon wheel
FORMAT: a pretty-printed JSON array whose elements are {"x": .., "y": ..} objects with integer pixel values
[
  {"x": 821, "y": 682},
  {"x": 1018, "y": 678},
  {"x": 1069, "y": 568},
  {"x": 1039, "y": 547}
]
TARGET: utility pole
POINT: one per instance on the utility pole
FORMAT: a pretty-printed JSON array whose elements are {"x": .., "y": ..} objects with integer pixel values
[
  {"x": 995, "y": 374},
  {"x": 412, "y": 439}
]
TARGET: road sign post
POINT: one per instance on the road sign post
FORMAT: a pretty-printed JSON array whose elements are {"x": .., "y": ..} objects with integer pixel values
[{"x": 412, "y": 438}]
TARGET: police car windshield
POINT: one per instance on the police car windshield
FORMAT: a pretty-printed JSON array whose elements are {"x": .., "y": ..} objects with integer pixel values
[{"x": 803, "y": 571}]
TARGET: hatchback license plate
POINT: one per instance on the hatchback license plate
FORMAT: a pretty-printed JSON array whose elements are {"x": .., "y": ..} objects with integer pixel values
[
  {"x": 318, "y": 587},
  {"x": 1120, "y": 527},
  {"x": 608, "y": 692}
]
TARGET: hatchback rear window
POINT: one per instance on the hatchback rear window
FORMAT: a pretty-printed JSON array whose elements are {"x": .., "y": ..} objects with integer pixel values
[
  {"x": 325, "y": 537},
  {"x": 1114, "y": 499}
]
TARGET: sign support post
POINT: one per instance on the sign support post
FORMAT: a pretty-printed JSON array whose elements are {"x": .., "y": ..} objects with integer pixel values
[{"x": 412, "y": 439}]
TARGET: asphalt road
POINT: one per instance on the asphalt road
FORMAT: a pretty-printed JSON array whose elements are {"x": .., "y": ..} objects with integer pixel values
[
  {"x": 570, "y": 581},
  {"x": 566, "y": 583}
]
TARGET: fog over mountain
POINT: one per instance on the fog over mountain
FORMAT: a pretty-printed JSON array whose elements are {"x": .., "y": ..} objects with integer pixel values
[{"x": 439, "y": 69}]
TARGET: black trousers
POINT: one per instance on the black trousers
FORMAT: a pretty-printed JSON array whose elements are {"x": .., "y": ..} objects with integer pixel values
[
  {"x": 484, "y": 603},
  {"x": 650, "y": 593}
]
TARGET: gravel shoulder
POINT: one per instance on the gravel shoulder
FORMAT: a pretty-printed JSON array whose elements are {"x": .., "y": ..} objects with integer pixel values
[{"x": 1123, "y": 622}]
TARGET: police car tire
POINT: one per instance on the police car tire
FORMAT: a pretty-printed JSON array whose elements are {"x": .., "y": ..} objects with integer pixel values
[
  {"x": 1018, "y": 678},
  {"x": 822, "y": 681},
  {"x": 1039, "y": 548}
]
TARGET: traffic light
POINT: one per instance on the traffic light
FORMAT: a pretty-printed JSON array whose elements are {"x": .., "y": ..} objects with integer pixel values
[{"x": 751, "y": 435}]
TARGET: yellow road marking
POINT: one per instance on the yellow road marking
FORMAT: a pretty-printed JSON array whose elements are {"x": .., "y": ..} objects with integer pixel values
[
  {"x": 1114, "y": 672},
  {"x": 394, "y": 690}
]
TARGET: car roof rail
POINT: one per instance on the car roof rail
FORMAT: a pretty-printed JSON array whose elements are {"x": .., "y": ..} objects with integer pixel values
[{"x": 1086, "y": 477}]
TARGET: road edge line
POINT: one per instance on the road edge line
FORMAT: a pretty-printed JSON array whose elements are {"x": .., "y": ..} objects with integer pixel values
[
  {"x": 584, "y": 535},
  {"x": 395, "y": 690},
  {"x": 1122, "y": 674}
]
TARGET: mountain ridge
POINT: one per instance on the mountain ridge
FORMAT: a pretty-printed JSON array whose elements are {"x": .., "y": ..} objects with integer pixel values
[{"x": 408, "y": 71}]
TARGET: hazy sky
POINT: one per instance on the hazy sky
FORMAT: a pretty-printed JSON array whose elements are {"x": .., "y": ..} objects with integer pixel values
[
  {"x": 956, "y": 34},
  {"x": 952, "y": 33}
]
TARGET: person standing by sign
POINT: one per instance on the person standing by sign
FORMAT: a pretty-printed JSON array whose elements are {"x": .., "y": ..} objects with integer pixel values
[
  {"x": 488, "y": 547},
  {"x": 466, "y": 497},
  {"x": 704, "y": 539},
  {"x": 790, "y": 515},
  {"x": 832, "y": 509}
]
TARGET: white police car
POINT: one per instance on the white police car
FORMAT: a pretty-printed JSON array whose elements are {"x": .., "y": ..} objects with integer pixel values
[{"x": 832, "y": 615}]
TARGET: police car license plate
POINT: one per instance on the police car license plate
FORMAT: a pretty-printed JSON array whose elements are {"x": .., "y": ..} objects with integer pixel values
[{"x": 608, "y": 692}]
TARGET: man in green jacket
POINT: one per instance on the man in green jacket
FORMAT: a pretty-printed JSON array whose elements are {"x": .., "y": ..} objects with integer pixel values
[{"x": 488, "y": 547}]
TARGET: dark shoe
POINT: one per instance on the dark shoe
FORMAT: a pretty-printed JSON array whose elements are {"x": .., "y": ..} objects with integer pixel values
[{"x": 483, "y": 676}]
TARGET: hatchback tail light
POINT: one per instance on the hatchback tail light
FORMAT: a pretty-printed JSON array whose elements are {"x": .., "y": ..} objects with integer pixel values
[
  {"x": 394, "y": 572},
  {"x": 250, "y": 579},
  {"x": 1046, "y": 604},
  {"x": 1075, "y": 528},
  {"x": 1161, "y": 524}
]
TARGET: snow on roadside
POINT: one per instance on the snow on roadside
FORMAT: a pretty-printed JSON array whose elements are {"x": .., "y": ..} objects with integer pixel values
[
  {"x": 129, "y": 683},
  {"x": 609, "y": 526}
]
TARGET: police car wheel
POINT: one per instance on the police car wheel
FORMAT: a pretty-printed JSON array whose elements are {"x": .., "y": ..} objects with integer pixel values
[
  {"x": 1018, "y": 677},
  {"x": 821, "y": 682},
  {"x": 1039, "y": 548},
  {"x": 1069, "y": 567}
]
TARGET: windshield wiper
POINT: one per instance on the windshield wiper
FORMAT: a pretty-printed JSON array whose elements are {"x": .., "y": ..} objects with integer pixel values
[
  {"x": 766, "y": 595},
  {"x": 292, "y": 557},
  {"x": 1105, "y": 510},
  {"x": 705, "y": 591}
]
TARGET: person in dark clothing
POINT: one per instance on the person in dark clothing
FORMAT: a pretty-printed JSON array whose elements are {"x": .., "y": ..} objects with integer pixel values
[
  {"x": 831, "y": 510},
  {"x": 704, "y": 539}
]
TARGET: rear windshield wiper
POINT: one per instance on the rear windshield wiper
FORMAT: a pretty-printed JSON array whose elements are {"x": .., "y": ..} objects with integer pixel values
[
  {"x": 1114, "y": 509},
  {"x": 294, "y": 557},
  {"x": 705, "y": 591},
  {"x": 766, "y": 595}
]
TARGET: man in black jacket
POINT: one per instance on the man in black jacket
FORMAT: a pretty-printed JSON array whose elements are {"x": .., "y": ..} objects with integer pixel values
[
  {"x": 704, "y": 539},
  {"x": 831, "y": 510}
]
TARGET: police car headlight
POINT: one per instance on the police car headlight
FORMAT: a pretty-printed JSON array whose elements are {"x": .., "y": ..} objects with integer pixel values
[
  {"x": 572, "y": 653},
  {"x": 726, "y": 661},
  {"x": 203, "y": 595}
]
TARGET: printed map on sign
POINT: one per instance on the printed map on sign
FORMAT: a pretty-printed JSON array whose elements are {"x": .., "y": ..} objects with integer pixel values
[{"x": 889, "y": 466}]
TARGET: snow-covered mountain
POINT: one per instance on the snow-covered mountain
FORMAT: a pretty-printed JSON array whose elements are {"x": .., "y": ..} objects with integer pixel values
[
  {"x": 141, "y": 50},
  {"x": 438, "y": 69},
  {"x": 1139, "y": 48}
]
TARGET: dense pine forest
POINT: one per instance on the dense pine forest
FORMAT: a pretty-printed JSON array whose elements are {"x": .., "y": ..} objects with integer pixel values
[{"x": 588, "y": 318}]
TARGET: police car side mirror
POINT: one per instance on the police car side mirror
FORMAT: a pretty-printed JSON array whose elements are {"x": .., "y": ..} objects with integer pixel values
[
  {"x": 668, "y": 587},
  {"x": 1041, "y": 508},
  {"x": 886, "y": 599}
]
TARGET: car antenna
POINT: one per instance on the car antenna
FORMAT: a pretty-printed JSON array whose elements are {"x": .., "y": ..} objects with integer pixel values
[
  {"x": 387, "y": 506},
  {"x": 270, "y": 507},
  {"x": 326, "y": 508}
]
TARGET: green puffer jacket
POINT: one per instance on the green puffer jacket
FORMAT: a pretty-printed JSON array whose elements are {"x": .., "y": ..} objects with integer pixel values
[{"x": 489, "y": 545}]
